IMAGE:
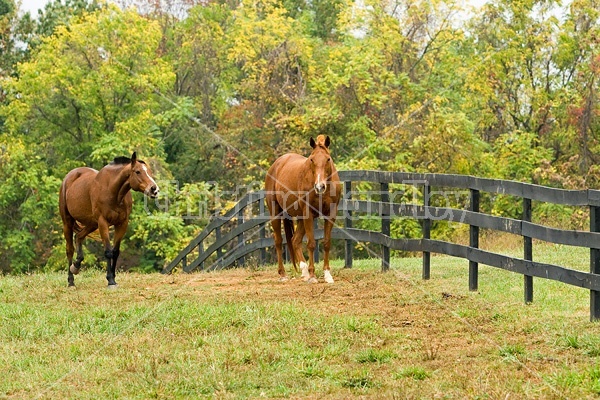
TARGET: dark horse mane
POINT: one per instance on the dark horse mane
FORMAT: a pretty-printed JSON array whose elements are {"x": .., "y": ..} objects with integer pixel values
[{"x": 123, "y": 161}]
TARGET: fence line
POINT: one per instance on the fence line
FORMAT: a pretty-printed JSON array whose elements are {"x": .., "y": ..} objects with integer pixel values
[{"x": 248, "y": 236}]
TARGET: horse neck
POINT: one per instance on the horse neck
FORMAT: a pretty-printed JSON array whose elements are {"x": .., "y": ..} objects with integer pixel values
[{"x": 120, "y": 183}]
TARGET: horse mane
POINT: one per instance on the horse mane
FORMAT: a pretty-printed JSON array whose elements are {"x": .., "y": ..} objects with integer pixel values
[{"x": 123, "y": 161}]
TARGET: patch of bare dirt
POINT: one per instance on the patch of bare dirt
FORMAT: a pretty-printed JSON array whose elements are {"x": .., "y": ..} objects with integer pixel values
[{"x": 397, "y": 304}]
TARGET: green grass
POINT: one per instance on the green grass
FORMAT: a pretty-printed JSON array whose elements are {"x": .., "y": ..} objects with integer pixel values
[
  {"x": 243, "y": 334},
  {"x": 417, "y": 373},
  {"x": 512, "y": 351}
]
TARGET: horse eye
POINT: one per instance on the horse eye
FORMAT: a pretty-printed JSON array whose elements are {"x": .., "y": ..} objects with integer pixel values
[
  {"x": 138, "y": 172},
  {"x": 329, "y": 159},
  {"x": 311, "y": 160}
]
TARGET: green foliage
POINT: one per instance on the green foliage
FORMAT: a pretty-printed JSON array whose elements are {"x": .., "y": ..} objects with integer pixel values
[
  {"x": 198, "y": 52},
  {"x": 165, "y": 227},
  {"x": 28, "y": 208},
  {"x": 12, "y": 30},
  {"x": 59, "y": 12},
  {"x": 6, "y": 7},
  {"x": 518, "y": 155},
  {"x": 91, "y": 89}
]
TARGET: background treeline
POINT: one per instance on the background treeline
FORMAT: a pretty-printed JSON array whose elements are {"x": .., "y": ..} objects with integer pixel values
[{"x": 211, "y": 92}]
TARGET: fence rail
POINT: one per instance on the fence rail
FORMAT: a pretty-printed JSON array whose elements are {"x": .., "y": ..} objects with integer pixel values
[{"x": 230, "y": 243}]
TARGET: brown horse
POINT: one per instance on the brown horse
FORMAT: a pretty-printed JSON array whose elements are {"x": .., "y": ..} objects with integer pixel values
[
  {"x": 91, "y": 200},
  {"x": 305, "y": 189}
]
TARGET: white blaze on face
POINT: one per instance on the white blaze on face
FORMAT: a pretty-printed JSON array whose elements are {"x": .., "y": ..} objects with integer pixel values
[
  {"x": 152, "y": 181},
  {"x": 319, "y": 185}
]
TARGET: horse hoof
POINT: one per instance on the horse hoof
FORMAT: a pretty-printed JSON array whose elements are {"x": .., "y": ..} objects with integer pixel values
[
  {"x": 112, "y": 286},
  {"x": 74, "y": 270},
  {"x": 71, "y": 286},
  {"x": 284, "y": 279},
  {"x": 312, "y": 280},
  {"x": 327, "y": 276}
]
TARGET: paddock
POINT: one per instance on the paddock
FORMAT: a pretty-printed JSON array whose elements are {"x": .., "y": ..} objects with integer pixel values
[{"x": 240, "y": 333}]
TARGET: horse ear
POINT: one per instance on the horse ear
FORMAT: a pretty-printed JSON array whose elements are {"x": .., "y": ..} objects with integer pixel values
[
  {"x": 313, "y": 144},
  {"x": 134, "y": 157},
  {"x": 327, "y": 141}
]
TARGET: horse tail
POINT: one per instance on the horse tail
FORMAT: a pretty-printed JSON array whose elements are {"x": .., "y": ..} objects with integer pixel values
[{"x": 288, "y": 227}]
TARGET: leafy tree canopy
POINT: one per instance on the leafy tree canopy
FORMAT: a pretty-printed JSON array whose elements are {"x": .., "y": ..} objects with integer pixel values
[{"x": 213, "y": 92}]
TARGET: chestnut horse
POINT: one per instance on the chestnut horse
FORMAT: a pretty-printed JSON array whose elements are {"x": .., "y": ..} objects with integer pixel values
[
  {"x": 91, "y": 200},
  {"x": 305, "y": 189}
]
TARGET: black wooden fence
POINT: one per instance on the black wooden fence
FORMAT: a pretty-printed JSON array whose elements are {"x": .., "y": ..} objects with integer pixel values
[{"x": 241, "y": 230}]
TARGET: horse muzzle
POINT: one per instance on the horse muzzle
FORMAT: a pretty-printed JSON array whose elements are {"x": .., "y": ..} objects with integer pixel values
[
  {"x": 320, "y": 188},
  {"x": 152, "y": 191}
]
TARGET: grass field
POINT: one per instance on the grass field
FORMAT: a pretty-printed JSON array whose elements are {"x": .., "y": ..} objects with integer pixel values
[{"x": 243, "y": 334}]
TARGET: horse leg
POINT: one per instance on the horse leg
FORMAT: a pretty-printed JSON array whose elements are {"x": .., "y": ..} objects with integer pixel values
[
  {"x": 108, "y": 251},
  {"x": 297, "y": 242},
  {"x": 329, "y": 222},
  {"x": 111, "y": 271},
  {"x": 310, "y": 246},
  {"x": 276, "y": 225},
  {"x": 68, "y": 233},
  {"x": 276, "y": 213},
  {"x": 79, "y": 237}
]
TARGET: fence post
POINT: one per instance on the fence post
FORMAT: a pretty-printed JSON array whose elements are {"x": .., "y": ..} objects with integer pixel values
[
  {"x": 217, "y": 238},
  {"x": 474, "y": 242},
  {"x": 385, "y": 227},
  {"x": 200, "y": 251},
  {"x": 426, "y": 232},
  {"x": 348, "y": 223},
  {"x": 240, "y": 238},
  {"x": 527, "y": 253},
  {"x": 594, "y": 264},
  {"x": 262, "y": 232},
  {"x": 184, "y": 262}
]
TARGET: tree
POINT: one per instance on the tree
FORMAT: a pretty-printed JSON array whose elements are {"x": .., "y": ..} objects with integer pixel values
[
  {"x": 263, "y": 85},
  {"x": 197, "y": 49},
  {"x": 7, "y": 44},
  {"x": 57, "y": 13},
  {"x": 28, "y": 202},
  {"x": 513, "y": 77},
  {"x": 578, "y": 61},
  {"x": 91, "y": 91}
]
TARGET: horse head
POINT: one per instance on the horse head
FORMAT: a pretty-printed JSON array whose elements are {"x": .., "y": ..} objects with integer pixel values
[
  {"x": 320, "y": 162},
  {"x": 141, "y": 179}
]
